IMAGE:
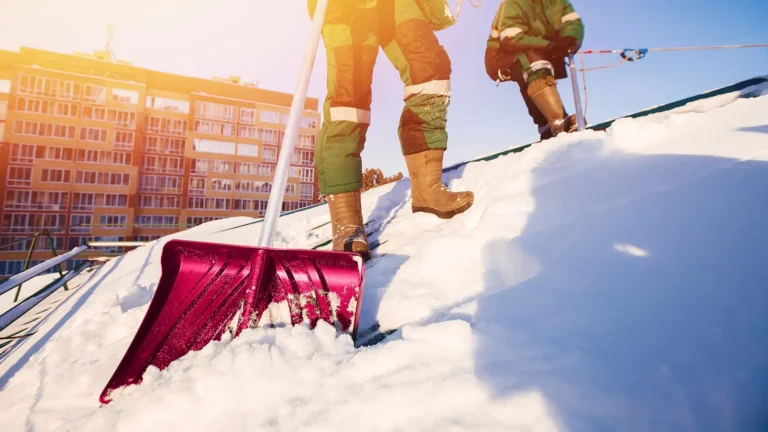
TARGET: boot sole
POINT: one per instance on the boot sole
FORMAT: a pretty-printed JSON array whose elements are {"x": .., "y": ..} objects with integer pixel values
[
  {"x": 443, "y": 215},
  {"x": 366, "y": 255}
]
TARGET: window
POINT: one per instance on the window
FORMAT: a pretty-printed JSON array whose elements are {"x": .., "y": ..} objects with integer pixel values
[
  {"x": 221, "y": 166},
  {"x": 214, "y": 111},
  {"x": 268, "y": 136},
  {"x": 308, "y": 123},
  {"x": 245, "y": 168},
  {"x": 156, "y": 221},
  {"x": 5, "y": 86},
  {"x": 49, "y": 130},
  {"x": 83, "y": 201},
  {"x": 194, "y": 203},
  {"x": 102, "y": 178},
  {"x": 105, "y": 157},
  {"x": 215, "y": 128},
  {"x": 284, "y": 118},
  {"x": 270, "y": 154},
  {"x": 193, "y": 221},
  {"x": 111, "y": 249},
  {"x": 229, "y": 130},
  {"x": 157, "y": 183},
  {"x": 247, "y": 116},
  {"x": 290, "y": 205},
  {"x": 40, "y": 106},
  {"x": 165, "y": 126},
  {"x": 251, "y": 132},
  {"x": 198, "y": 166},
  {"x": 125, "y": 96},
  {"x": 94, "y": 94},
  {"x": 165, "y": 145},
  {"x": 221, "y": 185},
  {"x": 203, "y": 166},
  {"x": 124, "y": 140},
  {"x": 251, "y": 150},
  {"x": 162, "y": 164},
  {"x": 96, "y": 113},
  {"x": 197, "y": 186},
  {"x": 50, "y": 175},
  {"x": 49, "y": 88},
  {"x": 306, "y": 141},
  {"x": 33, "y": 222},
  {"x": 167, "y": 104},
  {"x": 93, "y": 134},
  {"x": 126, "y": 119},
  {"x": 210, "y": 146},
  {"x": 269, "y": 117},
  {"x": 88, "y": 200},
  {"x": 22, "y": 153},
  {"x": 266, "y": 169},
  {"x": 302, "y": 157},
  {"x": 253, "y": 186},
  {"x": 160, "y": 201},
  {"x": 113, "y": 221},
  {"x": 3, "y": 110},
  {"x": 145, "y": 238},
  {"x": 22, "y": 244},
  {"x": 307, "y": 191},
  {"x": 36, "y": 200},
  {"x": 307, "y": 175},
  {"x": 112, "y": 200},
  {"x": 12, "y": 267},
  {"x": 54, "y": 153},
  {"x": 290, "y": 189},
  {"x": 19, "y": 176},
  {"x": 250, "y": 205},
  {"x": 80, "y": 224}
]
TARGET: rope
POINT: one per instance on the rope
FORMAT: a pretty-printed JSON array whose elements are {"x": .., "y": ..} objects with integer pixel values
[
  {"x": 471, "y": 2},
  {"x": 692, "y": 48},
  {"x": 640, "y": 53}
]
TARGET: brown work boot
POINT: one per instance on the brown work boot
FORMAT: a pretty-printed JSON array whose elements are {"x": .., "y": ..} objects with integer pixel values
[
  {"x": 347, "y": 224},
  {"x": 543, "y": 92},
  {"x": 429, "y": 194}
]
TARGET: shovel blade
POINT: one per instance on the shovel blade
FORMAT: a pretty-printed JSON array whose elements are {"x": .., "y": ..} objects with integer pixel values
[{"x": 206, "y": 289}]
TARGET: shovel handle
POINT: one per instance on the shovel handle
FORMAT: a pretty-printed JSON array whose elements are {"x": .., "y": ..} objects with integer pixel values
[{"x": 275, "y": 203}]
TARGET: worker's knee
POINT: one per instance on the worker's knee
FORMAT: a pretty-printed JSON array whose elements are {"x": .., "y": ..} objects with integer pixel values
[{"x": 539, "y": 70}]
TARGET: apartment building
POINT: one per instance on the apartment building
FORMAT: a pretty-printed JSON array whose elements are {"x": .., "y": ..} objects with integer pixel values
[{"x": 92, "y": 149}]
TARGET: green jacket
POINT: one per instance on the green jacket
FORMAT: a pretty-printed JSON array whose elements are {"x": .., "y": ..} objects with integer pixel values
[{"x": 521, "y": 25}]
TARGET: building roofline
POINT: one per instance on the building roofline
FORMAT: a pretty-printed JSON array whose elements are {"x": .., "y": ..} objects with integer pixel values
[{"x": 149, "y": 74}]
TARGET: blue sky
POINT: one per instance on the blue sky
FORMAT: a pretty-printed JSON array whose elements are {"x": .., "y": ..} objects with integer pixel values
[{"x": 264, "y": 40}]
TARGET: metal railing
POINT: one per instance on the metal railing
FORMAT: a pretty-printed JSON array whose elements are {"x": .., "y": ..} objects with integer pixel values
[{"x": 31, "y": 251}]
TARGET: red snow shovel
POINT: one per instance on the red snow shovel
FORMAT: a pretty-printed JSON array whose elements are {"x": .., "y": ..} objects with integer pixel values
[{"x": 206, "y": 288}]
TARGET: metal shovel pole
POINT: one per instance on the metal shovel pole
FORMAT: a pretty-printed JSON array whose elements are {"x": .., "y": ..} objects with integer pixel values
[
  {"x": 275, "y": 203},
  {"x": 576, "y": 96}
]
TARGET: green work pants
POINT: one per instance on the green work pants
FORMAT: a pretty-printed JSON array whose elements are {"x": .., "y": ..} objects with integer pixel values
[{"x": 352, "y": 35}]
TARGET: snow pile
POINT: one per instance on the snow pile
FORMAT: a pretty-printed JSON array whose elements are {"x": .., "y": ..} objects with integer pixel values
[{"x": 602, "y": 281}]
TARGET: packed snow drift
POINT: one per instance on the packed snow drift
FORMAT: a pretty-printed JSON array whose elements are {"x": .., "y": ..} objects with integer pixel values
[{"x": 602, "y": 281}]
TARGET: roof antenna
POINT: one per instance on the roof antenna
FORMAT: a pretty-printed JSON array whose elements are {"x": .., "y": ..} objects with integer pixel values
[{"x": 108, "y": 46}]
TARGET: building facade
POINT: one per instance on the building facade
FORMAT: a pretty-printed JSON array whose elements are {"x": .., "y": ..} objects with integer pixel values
[{"x": 92, "y": 149}]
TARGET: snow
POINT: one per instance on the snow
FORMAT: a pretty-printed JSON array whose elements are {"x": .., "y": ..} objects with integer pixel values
[{"x": 602, "y": 281}]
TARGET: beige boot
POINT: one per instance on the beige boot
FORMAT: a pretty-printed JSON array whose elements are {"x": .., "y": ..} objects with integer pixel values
[
  {"x": 347, "y": 224},
  {"x": 543, "y": 92},
  {"x": 428, "y": 191}
]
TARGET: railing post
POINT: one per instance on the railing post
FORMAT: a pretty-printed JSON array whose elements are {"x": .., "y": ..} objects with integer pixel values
[
  {"x": 580, "y": 120},
  {"x": 26, "y": 265},
  {"x": 53, "y": 252}
]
